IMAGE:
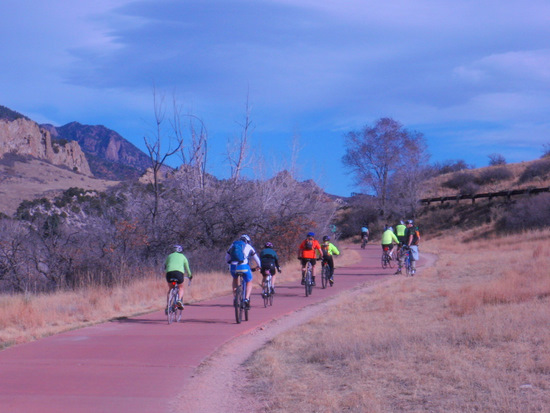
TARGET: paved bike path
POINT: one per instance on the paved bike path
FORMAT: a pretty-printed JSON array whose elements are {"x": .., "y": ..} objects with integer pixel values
[{"x": 140, "y": 364}]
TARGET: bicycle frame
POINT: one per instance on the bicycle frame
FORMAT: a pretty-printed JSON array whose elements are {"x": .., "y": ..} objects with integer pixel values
[{"x": 173, "y": 313}]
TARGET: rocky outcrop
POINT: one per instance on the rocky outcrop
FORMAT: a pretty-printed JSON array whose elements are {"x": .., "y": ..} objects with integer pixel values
[{"x": 24, "y": 137}]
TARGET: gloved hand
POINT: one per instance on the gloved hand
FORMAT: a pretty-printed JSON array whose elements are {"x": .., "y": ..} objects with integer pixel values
[{"x": 190, "y": 277}]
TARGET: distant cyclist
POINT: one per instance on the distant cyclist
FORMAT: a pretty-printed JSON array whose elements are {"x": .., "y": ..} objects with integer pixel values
[
  {"x": 412, "y": 239},
  {"x": 400, "y": 232},
  {"x": 237, "y": 257},
  {"x": 270, "y": 262},
  {"x": 307, "y": 252},
  {"x": 364, "y": 234},
  {"x": 176, "y": 266},
  {"x": 329, "y": 250}
]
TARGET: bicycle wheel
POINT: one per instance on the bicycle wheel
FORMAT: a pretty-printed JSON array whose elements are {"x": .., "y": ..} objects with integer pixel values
[
  {"x": 238, "y": 304},
  {"x": 408, "y": 266},
  {"x": 171, "y": 313},
  {"x": 265, "y": 293},
  {"x": 325, "y": 276},
  {"x": 307, "y": 285},
  {"x": 384, "y": 260},
  {"x": 390, "y": 262}
]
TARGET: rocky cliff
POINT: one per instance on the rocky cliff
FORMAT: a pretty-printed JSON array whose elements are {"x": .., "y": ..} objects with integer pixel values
[{"x": 24, "y": 137}]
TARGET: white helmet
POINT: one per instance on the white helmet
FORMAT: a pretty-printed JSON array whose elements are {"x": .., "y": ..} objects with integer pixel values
[{"x": 178, "y": 248}]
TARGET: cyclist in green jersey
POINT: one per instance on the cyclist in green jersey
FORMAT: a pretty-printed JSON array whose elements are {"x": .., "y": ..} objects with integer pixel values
[{"x": 176, "y": 266}]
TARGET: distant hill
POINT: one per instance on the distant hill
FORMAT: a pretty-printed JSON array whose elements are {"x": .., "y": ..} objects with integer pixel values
[
  {"x": 110, "y": 155},
  {"x": 10, "y": 115}
]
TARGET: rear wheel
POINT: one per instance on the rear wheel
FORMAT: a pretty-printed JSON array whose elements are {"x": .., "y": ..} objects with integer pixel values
[
  {"x": 171, "y": 313},
  {"x": 307, "y": 285},
  {"x": 238, "y": 304},
  {"x": 384, "y": 261},
  {"x": 265, "y": 293},
  {"x": 325, "y": 276}
]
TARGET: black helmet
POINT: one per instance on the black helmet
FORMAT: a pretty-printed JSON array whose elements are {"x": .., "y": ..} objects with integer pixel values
[
  {"x": 268, "y": 245},
  {"x": 326, "y": 238}
]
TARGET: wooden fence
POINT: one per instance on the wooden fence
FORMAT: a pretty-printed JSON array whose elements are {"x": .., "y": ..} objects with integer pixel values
[{"x": 489, "y": 195}]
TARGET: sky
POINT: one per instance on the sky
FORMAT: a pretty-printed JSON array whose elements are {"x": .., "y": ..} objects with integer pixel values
[{"x": 473, "y": 76}]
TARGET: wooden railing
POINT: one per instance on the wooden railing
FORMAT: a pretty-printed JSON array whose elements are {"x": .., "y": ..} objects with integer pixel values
[{"x": 490, "y": 195}]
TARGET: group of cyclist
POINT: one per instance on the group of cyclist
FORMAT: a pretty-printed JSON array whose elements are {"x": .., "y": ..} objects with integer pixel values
[
  {"x": 310, "y": 250},
  {"x": 405, "y": 235}
]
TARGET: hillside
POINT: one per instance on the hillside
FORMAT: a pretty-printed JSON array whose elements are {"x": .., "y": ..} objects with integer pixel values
[{"x": 27, "y": 179}]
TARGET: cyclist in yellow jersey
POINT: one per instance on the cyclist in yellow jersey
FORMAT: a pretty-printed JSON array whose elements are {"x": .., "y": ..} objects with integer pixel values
[{"x": 329, "y": 249}]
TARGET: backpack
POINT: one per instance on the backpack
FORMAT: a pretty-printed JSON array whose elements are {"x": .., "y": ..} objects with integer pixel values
[
  {"x": 308, "y": 246},
  {"x": 236, "y": 252}
]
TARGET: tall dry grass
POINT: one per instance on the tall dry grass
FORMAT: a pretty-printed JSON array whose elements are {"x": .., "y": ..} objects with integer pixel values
[
  {"x": 471, "y": 333},
  {"x": 29, "y": 317}
]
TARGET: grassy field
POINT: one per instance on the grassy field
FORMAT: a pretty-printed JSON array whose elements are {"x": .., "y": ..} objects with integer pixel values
[{"x": 470, "y": 334}]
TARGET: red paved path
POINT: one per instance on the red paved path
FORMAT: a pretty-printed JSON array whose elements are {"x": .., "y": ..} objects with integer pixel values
[{"x": 140, "y": 364}]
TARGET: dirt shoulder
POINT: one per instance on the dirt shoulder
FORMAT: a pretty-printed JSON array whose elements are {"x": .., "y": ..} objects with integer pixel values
[{"x": 219, "y": 384}]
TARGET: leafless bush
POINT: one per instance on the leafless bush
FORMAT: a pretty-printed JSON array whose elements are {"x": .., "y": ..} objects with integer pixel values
[
  {"x": 496, "y": 159},
  {"x": 527, "y": 213},
  {"x": 493, "y": 175},
  {"x": 537, "y": 169}
]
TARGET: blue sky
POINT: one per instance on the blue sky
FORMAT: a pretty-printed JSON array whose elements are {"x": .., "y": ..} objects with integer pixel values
[{"x": 472, "y": 75}]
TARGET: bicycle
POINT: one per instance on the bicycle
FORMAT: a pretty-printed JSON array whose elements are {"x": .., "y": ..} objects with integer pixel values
[
  {"x": 386, "y": 259},
  {"x": 173, "y": 313},
  {"x": 364, "y": 241},
  {"x": 308, "y": 284},
  {"x": 325, "y": 275},
  {"x": 240, "y": 295},
  {"x": 407, "y": 262},
  {"x": 267, "y": 287}
]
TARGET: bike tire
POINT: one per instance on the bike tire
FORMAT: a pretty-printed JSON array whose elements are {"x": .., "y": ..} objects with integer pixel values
[
  {"x": 265, "y": 295},
  {"x": 325, "y": 275},
  {"x": 384, "y": 263},
  {"x": 408, "y": 267},
  {"x": 307, "y": 284},
  {"x": 270, "y": 299},
  {"x": 171, "y": 313},
  {"x": 238, "y": 304},
  {"x": 390, "y": 263}
]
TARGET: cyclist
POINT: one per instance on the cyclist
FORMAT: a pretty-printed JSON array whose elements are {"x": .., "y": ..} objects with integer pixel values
[
  {"x": 412, "y": 239},
  {"x": 365, "y": 233},
  {"x": 329, "y": 249},
  {"x": 306, "y": 252},
  {"x": 270, "y": 262},
  {"x": 400, "y": 232},
  {"x": 176, "y": 266},
  {"x": 236, "y": 263},
  {"x": 388, "y": 239}
]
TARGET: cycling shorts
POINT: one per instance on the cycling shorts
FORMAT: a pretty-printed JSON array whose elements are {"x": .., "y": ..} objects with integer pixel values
[
  {"x": 268, "y": 268},
  {"x": 245, "y": 268},
  {"x": 305, "y": 260},
  {"x": 174, "y": 275}
]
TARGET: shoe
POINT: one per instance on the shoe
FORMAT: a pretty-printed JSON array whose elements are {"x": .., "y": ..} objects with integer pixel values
[
  {"x": 313, "y": 281},
  {"x": 272, "y": 290},
  {"x": 303, "y": 280},
  {"x": 247, "y": 304},
  {"x": 166, "y": 311},
  {"x": 331, "y": 281},
  {"x": 413, "y": 272},
  {"x": 179, "y": 304}
]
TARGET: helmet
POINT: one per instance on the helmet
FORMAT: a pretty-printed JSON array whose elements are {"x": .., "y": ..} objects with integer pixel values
[
  {"x": 390, "y": 228},
  {"x": 178, "y": 248},
  {"x": 245, "y": 238},
  {"x": 311, "y": 234},
  {"x": 326, "y": 238},
  {"x": 401, "y": 222},
  {"x": 268, "y": 245},
  {"x": 410, "y": 221}
]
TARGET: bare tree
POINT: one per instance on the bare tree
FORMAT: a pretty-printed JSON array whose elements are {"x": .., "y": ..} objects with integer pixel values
[
  {"x": 374, "y": 154},
  {"x": 154, "y": 146},
  {"x": 496, "y": 159},
  {"x": 238, "y": 154}
]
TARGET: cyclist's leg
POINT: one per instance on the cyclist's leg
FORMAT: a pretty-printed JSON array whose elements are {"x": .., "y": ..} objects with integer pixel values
[
  {"x": 245, "y": 268},
  {"x": 313, "y": 262},
  {"x": 273, "y": 271},
  {"x": 235, "y": 281},
  {"x": 330, "y": 262}
]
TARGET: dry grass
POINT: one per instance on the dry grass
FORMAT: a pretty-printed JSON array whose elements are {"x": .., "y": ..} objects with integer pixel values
[
  {"x": 25, "y": 318},
  {"x": 470, "y": 334}
]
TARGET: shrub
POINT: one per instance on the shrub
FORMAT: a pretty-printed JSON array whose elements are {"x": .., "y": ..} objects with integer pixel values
[
  {"x": 493, "y": 175},
  {"x": 537, "y": 169},
  {"x": 451, "y": 166},
  {"x": 460, "y": 180},
  {"x": 496, "y": 159},
  {"x": 527, "y": 213}
]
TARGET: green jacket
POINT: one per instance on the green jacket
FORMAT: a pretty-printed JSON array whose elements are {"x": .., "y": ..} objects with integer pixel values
[
  {"x": 388, "y": 236},
  {"x": 400, "y": 230},
  {"x": 177, "y": 262}
]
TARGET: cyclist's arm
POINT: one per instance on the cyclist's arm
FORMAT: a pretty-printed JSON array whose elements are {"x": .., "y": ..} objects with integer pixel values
[
  {"x": 186, "y": 268},
  {"x": 333, "y": 250}
]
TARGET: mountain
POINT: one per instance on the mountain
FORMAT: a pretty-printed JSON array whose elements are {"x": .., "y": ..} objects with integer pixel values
[{"x": 110, "y": 155}]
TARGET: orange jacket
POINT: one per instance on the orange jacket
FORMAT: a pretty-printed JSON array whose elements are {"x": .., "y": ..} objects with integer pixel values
[{"x": 310, "y": 253}]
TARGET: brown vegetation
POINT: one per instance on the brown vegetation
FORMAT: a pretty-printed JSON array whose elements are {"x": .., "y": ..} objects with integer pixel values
[{"x": 469, "y": 334}]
